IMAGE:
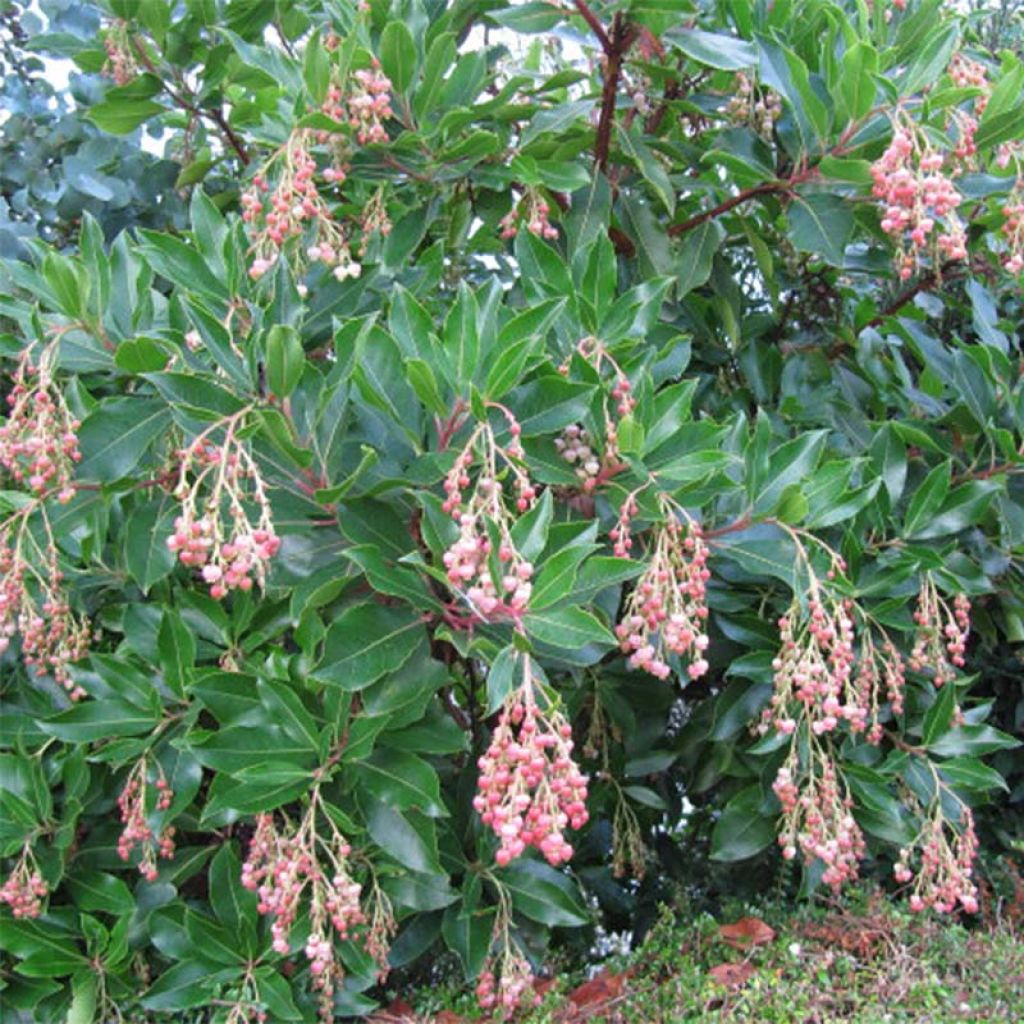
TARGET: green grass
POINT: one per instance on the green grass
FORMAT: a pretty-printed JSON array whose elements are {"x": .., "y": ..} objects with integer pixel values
[{"x": 866, "y": 962}]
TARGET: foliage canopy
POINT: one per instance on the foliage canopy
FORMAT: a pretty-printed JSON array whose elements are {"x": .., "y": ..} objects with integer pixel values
[{"x": 493, "y": 453}]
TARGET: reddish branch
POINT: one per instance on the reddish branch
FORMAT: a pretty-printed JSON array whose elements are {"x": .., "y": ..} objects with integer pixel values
[
  {"x": 781, "y": 187},
  {"x": 215, "y": 114},
  {"x": 923, "y": 284},
  {"x": 614, "y": 44}
]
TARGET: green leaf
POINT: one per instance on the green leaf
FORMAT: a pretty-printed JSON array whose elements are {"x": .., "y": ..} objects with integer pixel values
[
  {"x": 647, "y": 163},
  {"x": 366, "y": 641},
  {"x": 123, "y": 116},
  {"x": 568, "y": 627},
  {"x": 98, "y": 720},
  {"x": 931, "y": 59},
  {"x": 285, "y": 360},
  {"x": 727, "y": 53},
  {"x": 821, "y": 224},
  {"x": 92, "y": 890},
  {"x": 403, "y": 781},
  {"x": 114, "y": 437},
  {"x": 972, "y": 741},
  {"x": 398, "y": 55},
  {"x": 743, "y": 829},
  {"x": 969, "y": 773},
  {"x": 557, "y": 576},
  {"x": 461, "y": 341},
  {"x": 413, "y": 846},
  {"x": 856, "y": 86},
  {"x": 316, "y": 69},
  {"x": 927, "y": 499},
  {"x": 83, "y": 999},
  {"x": 543, "y": 894},
  {"x": 182, "y": 987},
  {"x": 146, "y": 554},
  {"x": 939, "y": 716},
  {"x": 963, "y": 507},
  {"x": 233, "y": 904},
  {"x": 181, "y": 264},
  {"x": 468, "y": 932},
  {"x": 177, "y": 647},
  {"x": 697, "y": 254}
]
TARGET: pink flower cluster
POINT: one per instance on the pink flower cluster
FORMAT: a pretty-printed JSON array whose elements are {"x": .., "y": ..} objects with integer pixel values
[
  {"x": 33, "y": 605},
  {"x": 120, "y": 64},
  {"x": 132, "y": 804},
  {"x": 918, "y": 199},
  {"x": 814, "y": 667},
  {"x": 39, "y": 441},
  {"x": 966, "y": 74},
  {"x": 621, "y": 534},
  {"x": 944, "y": 877},
  {"x": 530, "y": 789},
  {"x": 942, "y": 631},
  {"x": 369, "y": 104},
  {"x": 575, "y": 445},
  {"x": 758, "y": 107},
  {"x": 24, "y": 890},
  {"x": 1013, "y": 230},
  {"x": 232, "y": 554},
  {"x": 667, "y": 611},
  {"x": 512, "y": 989},
  {"x": 374, "y": 219},
  {"x": 534, "y": 212},
  {"x": 279, "y": 867},
  {"x": 493, "y": 588},
  {"x": 294, "y": 211},
  {"x": 817, "y": 818}
]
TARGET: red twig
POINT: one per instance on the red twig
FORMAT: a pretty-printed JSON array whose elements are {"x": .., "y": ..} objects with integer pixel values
[
  {"x": 923, "y": 284},
  {"x": 595, "y": 26},
  {"x": 216, "y": 115}
]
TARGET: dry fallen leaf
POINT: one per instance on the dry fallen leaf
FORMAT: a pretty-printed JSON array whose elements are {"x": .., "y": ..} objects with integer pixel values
[
  {"x": 732, "y": 975},
  {"x": 747, "y": 932},
  {"x": 398, "y": 1012},
  {"x": 601, "y": 988}
]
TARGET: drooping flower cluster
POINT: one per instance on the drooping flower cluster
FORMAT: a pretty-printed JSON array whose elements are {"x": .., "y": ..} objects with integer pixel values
[
  {"x": 133, "y": 804},
  {"x": 942, "y": 631},
  {"x": 967, "y": 73},
  {"x": 814, "y": 666},
  {"x": 758, "y": 107},
  {"x": 574, "y": 447},
  {"x": 1012, "y": 229},
  {"x": 281, "y": 865},
  {"x": 492, "y": 578},
  {"x": 25, "y": 889},
  {"x": 944, "y": 877},
  {"x": 920, "y": 200},
  {"x": 375, "y": 219},
  {"x": 369, "y": 104},
  {"x": 530, "y": 789},
  {"x": 294, "y": 210},
  {"x": 817, "y": 816},
  {"x": 667, "y": 611},
  {"x": 533, "y": 212},
  {"x": 39, "y": 440},
  {"x": 506, "y": 983},
  {"x": 121, "y": 64},
  {"x": 595, "y": 464},
  {"x": 33, "y": 603},
  {"x": 231, "y": 551}
]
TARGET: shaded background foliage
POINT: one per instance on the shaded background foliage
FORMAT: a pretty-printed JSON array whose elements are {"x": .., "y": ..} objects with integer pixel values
[{"x": 784, "y": 374}]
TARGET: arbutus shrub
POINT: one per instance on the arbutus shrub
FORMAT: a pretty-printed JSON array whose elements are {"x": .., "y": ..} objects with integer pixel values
[{"x": 530, "y": 477}]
